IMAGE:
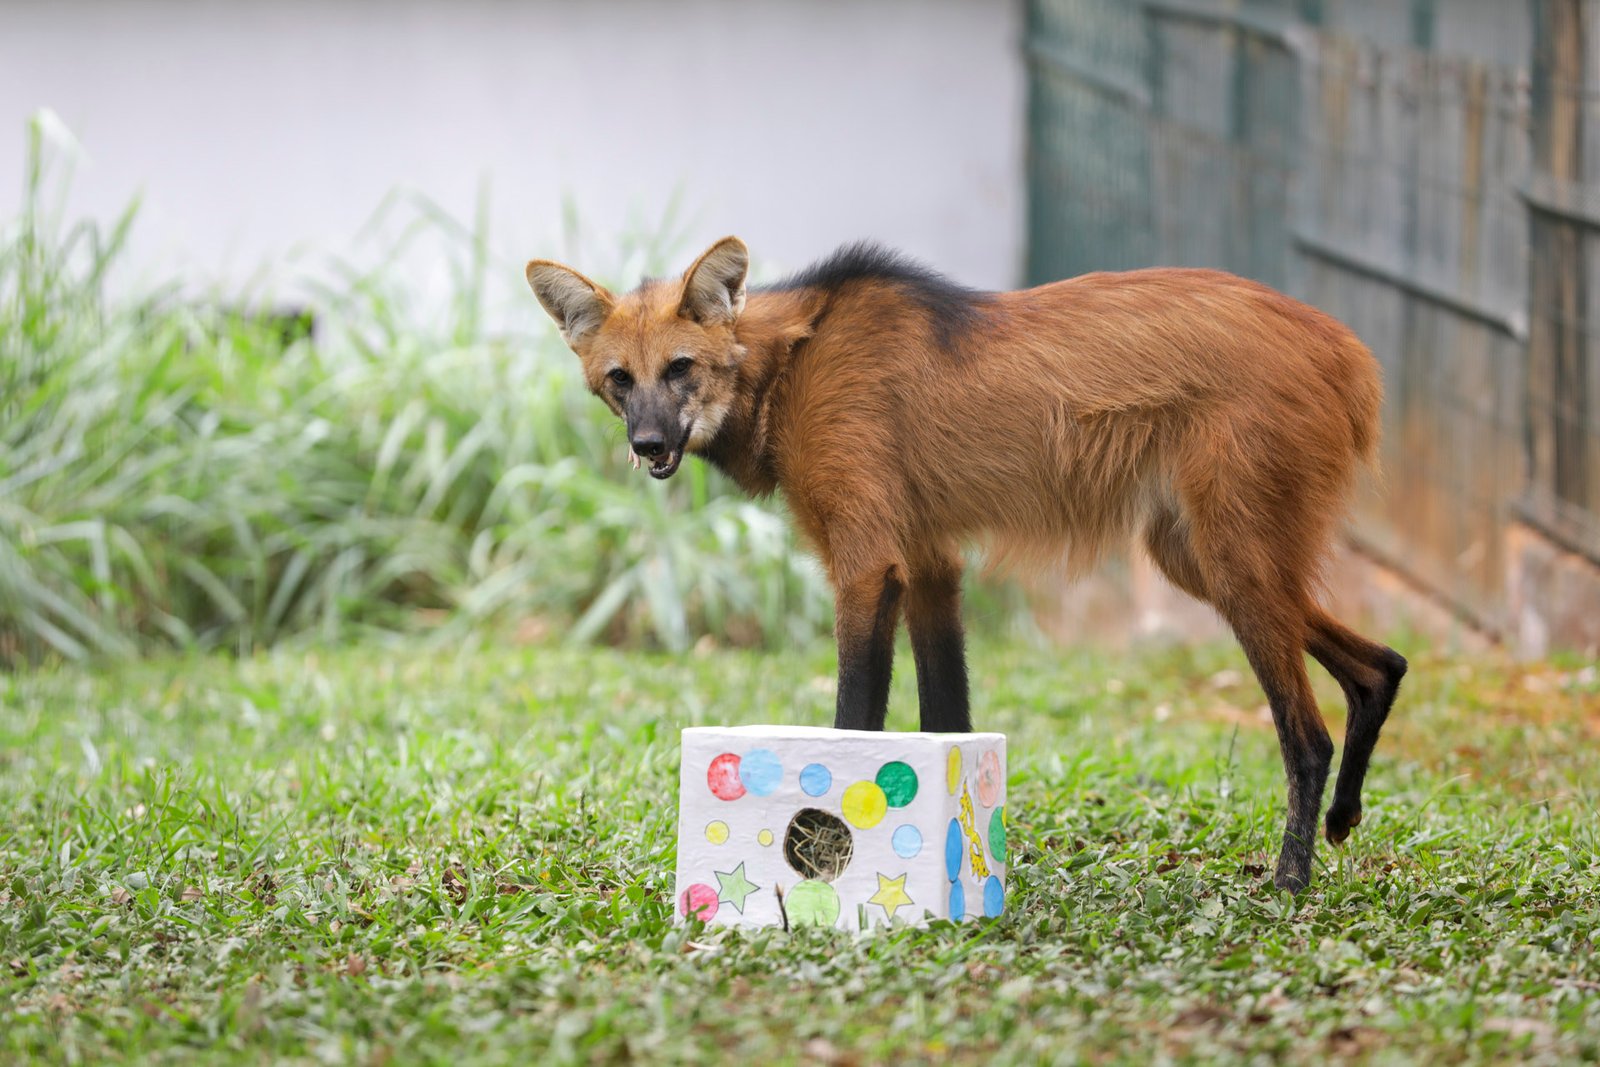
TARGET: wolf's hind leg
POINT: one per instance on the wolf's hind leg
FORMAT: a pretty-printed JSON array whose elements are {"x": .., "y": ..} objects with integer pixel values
[
  {"x": 1369, "y": 674},
  {"x": 1255, "y": 576}
]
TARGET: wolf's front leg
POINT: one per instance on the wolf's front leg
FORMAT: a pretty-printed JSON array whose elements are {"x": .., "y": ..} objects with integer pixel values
[
  {"x": 866, "y": 612},
  {"x": 933, "y": 615}
]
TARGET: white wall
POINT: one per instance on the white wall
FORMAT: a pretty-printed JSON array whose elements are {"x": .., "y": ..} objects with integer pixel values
[{"x": 254, "y": 126}]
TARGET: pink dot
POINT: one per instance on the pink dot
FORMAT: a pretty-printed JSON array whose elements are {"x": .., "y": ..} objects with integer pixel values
[
  {"x": 989, "y": 779},
  {"x": 699, "y": 901},
  {"x": 723, "y": 777}
]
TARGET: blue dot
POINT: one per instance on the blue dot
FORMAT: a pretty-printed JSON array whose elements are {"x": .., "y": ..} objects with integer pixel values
[
  {"x": 958, "y": 901},
  {"x": 953, "y": 847},
  {"x": 760, "y": 771},
  {"x": 994, "y": 897},
  {"x": 907, "y": 841},
  {"x": 816, "y": 779}
]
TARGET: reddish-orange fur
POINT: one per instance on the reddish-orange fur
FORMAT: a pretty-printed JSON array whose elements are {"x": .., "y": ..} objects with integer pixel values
[
  {"x": 1215, "y": 417},
  {"x": 1075, "y": 412}
]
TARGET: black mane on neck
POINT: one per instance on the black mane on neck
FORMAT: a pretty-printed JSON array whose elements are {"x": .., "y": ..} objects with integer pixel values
[{"x": 953, "y": 308}]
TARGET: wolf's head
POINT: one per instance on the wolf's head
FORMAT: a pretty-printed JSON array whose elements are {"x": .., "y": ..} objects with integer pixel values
[{"x": 663, "y": 357}]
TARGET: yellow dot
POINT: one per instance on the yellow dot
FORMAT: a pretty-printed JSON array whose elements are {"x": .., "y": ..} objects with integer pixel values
[
  {"x": 864, "y": 804},
  {"x": 765, "y": 837},
  {"x": 717, "y": 832},
  {"x": 952, "y": 775}
]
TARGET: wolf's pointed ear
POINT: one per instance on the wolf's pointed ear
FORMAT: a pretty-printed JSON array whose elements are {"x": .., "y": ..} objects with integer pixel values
[
  {"x": 578, "y": 305},
  {"x": 713, "y": 289}
]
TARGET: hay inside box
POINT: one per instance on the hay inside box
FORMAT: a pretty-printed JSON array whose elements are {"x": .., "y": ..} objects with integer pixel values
[{"x": 851, "y": 827}]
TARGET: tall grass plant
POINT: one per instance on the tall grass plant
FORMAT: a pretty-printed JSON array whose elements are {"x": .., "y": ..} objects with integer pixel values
[{"x": 174, "y": 473}]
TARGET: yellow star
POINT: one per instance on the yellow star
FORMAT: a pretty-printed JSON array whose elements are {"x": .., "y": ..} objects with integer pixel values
[{"x": 891, "y": 895}]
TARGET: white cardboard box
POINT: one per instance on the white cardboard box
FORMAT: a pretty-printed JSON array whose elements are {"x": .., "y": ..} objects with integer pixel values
[{"x": 851, "y": 827}]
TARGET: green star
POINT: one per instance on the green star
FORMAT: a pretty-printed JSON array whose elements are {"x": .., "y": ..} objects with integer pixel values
[{"x": 733, "y": 887}]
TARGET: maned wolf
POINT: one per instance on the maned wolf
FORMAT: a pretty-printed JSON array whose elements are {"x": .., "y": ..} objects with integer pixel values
[{"x": 901, "y": 415}]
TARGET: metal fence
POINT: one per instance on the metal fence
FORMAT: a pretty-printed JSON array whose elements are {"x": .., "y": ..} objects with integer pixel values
[{"x": 1427, "y": 172}]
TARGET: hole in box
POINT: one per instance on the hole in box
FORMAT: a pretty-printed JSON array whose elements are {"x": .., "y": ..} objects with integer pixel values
[{"x": 818, "y": 844}]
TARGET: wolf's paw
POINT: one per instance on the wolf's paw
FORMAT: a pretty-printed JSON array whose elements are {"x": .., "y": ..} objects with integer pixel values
[{"x": 1341, "y": 820}]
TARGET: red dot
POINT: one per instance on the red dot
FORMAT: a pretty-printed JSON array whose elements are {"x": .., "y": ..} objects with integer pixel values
[
  {"x": 723, "y": 777},
  {"x": 699, "y": 901}
]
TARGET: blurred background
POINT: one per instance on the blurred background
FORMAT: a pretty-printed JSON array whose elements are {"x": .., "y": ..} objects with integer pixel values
[
  {"x": 269, "y": 372},
  {"x": 257, "y": 127}
]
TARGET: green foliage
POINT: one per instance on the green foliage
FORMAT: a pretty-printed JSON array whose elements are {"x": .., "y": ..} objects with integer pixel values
[
  {"x": 202, "y": 478},
  {"x": 369, "y": 856}
]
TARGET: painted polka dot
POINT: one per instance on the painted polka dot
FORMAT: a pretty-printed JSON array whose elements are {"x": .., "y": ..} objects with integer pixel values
[
  {"x": 699, "y": 901},
  {"x": 898, "y": 782},
  {"x": 760, "y": 771},
  {"x": 989, "y": 778},
  {"x": 864, "y": 805},
  {"x": 953, "y": 850},
  {"x": 764, "y": 838},
  {"x": 723, "y": 777},
  {"x": 994, "y": 897},
  {"x": 997, "y": 835},
  {"x": 952, "y": 771},
  {"x": 717, "y": 832},
  {"x": 815, "y": 780},
  {"x": 812, "y": 904},
  {"x": 958, "y": 901},
  {"x": 907, "y": 841}
]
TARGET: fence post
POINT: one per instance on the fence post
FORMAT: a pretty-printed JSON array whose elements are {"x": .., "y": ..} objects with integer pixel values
[{"x": 1556, "y": 394}]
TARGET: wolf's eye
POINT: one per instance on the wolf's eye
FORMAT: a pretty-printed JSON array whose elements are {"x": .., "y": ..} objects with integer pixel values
[
  {"x": 620, "y": 376},
  {"x": 679, "y": 367}
]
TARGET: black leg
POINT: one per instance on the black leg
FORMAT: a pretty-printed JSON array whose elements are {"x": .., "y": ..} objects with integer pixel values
[
  {"x": 1370, "y": 675},
  {"x": 1307, "y": 755},
  {"x": 1274, "y": 650},
  {"x": 933, "y": 615},
  {"x": 865, "y": 617},
  {"x": 1361, "y": 736}
]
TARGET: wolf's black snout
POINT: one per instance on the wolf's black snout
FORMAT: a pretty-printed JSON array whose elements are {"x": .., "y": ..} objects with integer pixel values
[{"x": 649, "y": 444}]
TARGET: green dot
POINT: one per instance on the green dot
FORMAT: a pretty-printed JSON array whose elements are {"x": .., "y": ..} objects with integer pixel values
[
  {"x": 898, "y": 782},
  {"x": 812, "y": 904},
  {"x": 997, "y": 835}
]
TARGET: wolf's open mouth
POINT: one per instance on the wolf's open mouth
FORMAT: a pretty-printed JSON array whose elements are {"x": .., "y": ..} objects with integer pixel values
[{"x": 666, "y": 466}]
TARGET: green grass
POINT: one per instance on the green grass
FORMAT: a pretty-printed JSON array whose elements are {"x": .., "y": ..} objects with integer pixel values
[{"x": 400, "y": 855}]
